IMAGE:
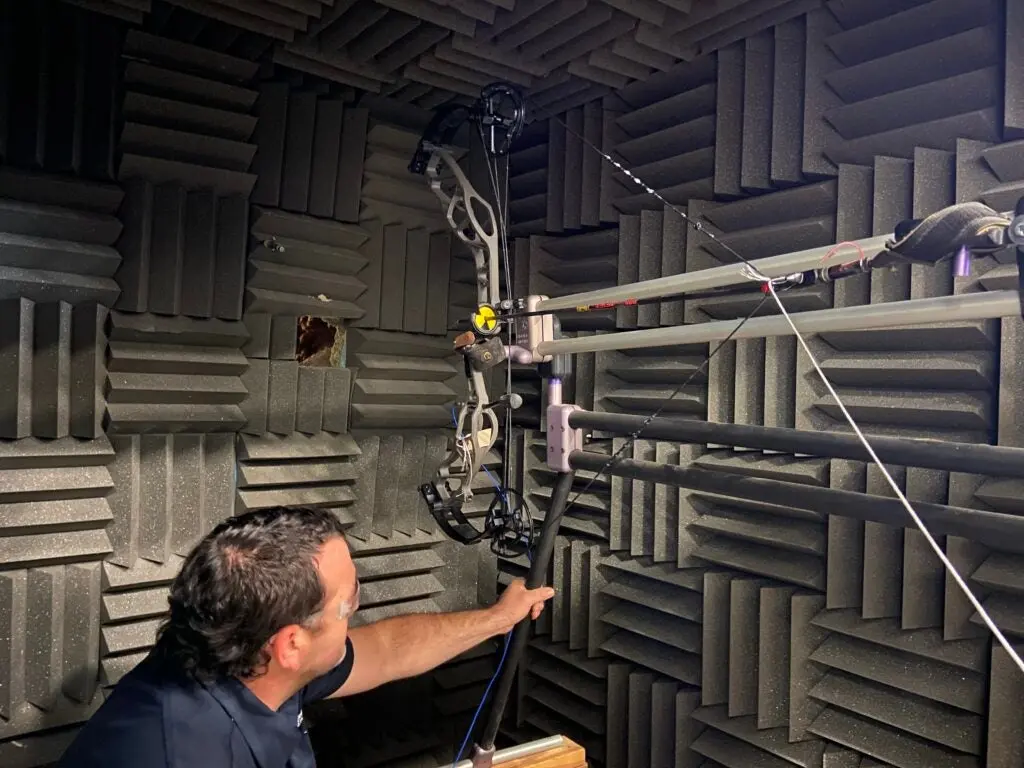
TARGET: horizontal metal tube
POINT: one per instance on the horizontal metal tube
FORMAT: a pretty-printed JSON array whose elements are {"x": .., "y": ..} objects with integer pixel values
[
  {"x": 979, "y": 459},
  {"x": 990, "y": 528},
  {"x": 518, "y": 751},
  {"x": 969, "y": 306},
  {"x": 717, "y": 277}
]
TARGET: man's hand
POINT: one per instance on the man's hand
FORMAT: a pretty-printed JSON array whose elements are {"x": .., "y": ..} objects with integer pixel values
[
  {"x": 517, "y": 602},
  {"x": 406, "y": 646}
]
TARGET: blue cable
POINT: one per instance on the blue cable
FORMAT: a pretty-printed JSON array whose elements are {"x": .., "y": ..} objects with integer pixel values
[
  {"x": 497, "y": 485},
  {"x": 480, "y": 706}
]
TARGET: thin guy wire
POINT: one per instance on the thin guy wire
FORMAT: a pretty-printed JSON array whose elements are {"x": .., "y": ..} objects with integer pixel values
[
  {"x": 755, "y": 274},
  {"x": 636, "y": 435},
  {"x": 896, "y": 489}
]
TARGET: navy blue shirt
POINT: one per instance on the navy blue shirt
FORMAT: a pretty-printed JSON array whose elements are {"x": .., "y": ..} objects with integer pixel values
[{"x": 156, "y": 717}]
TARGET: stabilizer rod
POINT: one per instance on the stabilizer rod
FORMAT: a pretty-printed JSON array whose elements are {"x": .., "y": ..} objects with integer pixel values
[
  {"x": 974, "y": 458},
  {"x": 993, "y": 529},
  {"x": 521, "y": 634}
]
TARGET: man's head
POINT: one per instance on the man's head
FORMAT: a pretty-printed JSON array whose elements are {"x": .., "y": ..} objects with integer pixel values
[{"x": 267, "y": 591}]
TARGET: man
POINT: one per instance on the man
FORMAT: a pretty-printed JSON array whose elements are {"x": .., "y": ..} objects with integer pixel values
[{"x": 258, "y": 628}]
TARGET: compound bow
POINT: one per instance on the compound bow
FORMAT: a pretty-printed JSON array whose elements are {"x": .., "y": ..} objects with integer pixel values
[
  {"x": 499, "y": 115},
  {"x": 955, "y": 234}
]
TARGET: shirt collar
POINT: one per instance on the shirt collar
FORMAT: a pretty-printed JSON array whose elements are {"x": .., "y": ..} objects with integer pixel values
[{"x": 272, "y": 736}]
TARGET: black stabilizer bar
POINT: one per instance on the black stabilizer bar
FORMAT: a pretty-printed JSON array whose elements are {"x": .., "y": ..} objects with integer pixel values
[
  {"x": 521, "y": 634},
  {"x": 993, "y": 529},
  {"x": 980, "y": 459}
]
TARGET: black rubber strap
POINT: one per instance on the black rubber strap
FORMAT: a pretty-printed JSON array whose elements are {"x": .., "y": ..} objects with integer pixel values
[{"x": 942, "y": 233}]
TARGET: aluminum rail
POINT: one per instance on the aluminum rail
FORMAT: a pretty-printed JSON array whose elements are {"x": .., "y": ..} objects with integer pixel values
[
  {"x": 969, "y": 306},
  {"x": 717, "y": 277},
  {"x": 973, "y": 458},
  {"x": 993, "y": 529},
  {"x": 517, "y": 752}
]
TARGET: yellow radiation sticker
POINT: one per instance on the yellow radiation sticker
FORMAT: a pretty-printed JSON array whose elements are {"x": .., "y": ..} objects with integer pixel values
[{"x": 485, "y": 319}]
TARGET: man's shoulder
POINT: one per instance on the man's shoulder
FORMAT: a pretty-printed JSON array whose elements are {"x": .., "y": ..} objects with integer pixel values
[{"x": 140, "y": 723}]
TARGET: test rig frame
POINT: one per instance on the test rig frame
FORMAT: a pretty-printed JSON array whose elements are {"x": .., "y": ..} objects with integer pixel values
[{"x": 954, "y": 234}]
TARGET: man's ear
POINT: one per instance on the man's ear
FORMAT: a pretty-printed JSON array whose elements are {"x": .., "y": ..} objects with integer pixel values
[{"x": 287, "y": 647}]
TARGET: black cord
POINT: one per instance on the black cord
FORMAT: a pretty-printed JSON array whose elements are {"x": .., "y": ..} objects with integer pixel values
[{"x": 636, "y": 435}]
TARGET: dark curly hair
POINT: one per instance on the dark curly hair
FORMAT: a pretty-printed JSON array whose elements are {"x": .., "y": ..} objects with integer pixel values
[{"x": 250, "y": 576}]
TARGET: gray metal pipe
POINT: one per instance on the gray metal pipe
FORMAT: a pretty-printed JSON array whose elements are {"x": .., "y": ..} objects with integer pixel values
[
  {"x": 716, "y": 277},
  {"x": 514, "y": 753},
  {"x": 965, "y": 307},
  {"x": 990, "y": 528}
]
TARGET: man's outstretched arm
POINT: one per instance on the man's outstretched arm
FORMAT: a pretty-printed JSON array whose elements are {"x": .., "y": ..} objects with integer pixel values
[{"x": 406, "y": 646}]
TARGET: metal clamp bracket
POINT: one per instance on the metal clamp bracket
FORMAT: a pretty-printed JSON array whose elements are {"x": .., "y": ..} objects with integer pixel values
[{"x": 562, "y": 439}]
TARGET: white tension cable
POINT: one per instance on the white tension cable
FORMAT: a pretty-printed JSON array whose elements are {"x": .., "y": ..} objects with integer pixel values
[
  {"x": 896, "y": 489},
  {"x": 753, "y": 273}
]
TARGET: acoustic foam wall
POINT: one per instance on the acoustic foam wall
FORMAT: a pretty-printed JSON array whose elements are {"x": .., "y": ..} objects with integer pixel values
[
  {"x": 290, "y": 254},
  {"x": 559, "y": 266},
  {"x": 285, "y": 397},
  {"x": 174, "y": 374},
  {"x": 168, "y": 490},
  {"x": 565, "y": 692},
  {"x": 576, "y": 196},
  {"x": 664, "y": 131},
  {"x": 296, "y": 470},
  {"x": 54, "y": 366},
  {"x": 58, "y": 89},
  {"x": 690, "y": 628},
  {"x": 563, "y": 54},
  {"x": 185, "y": 154},
  {"x": 893, "y": 93},
  {"x": 311, "y": 147},
  {"x": 131, "y": 11},
  {"x": 528, "y": 181},
  {"x": 397, "y": 541},
  {"x": 855, "y": 656},
  {"x": 53, "y": 514},
  {"x": 183, "y": 251},
  {"x": 58, "y": 235},
  {"x": 637, "y": 381},
  {"x": 458, "y": 687},
  {"x": 782, "y": 562},
  {"x": 402, "y": 381},
  {"x": 187, "y": 116},
  {"x": 947, "y": 392},
  {"x": 409, "y": 267},
  {"x": 281, "y": 23}
]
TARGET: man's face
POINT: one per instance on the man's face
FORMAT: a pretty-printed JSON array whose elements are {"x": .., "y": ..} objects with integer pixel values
[{"x": 341, "y": 587}]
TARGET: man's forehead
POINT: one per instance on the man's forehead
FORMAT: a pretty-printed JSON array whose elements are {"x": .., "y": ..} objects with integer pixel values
[{"x": 336, "y": 566}]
